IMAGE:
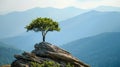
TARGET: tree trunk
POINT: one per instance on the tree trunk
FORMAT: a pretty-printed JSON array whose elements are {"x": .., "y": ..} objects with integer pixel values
[
  {"x": 43, "y": 38},
  {"x": 44, "y": 34}
]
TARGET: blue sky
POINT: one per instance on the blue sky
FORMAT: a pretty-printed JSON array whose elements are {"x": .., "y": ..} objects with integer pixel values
[{"x": 21, "y": 5}]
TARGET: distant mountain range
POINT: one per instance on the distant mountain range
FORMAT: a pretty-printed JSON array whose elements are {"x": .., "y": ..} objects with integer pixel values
[
  {"x": 107, "y": 8},
  {"x": 25, "y": 42},
  {"x": 13, "y": 24},
  {"x": 99, "y": 51},
  {"x": 84, "y": 25},
  {"x": 7, "y": 53},
  {"x": 89, "y": 24}
]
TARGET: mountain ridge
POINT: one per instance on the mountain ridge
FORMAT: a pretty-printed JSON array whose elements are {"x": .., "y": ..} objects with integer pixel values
[
  {"x": 6, "y": 53},
  {"x": 102, "y": 50},
  {"x": 13, "y": 22},
  {"x": 107, "y": 8},
  {"x": 84, "y": 25}
]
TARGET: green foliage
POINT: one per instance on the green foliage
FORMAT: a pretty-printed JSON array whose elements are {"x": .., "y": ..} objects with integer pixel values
[
  {"x": 35, "y": 64},
  {"x": 44, "y": 25},
  {"x": 45, "y": 64},
  {"x": 51, "y": 64},
  {"x": 69, "y": 65},
  {"x": 48, "y": 64}
]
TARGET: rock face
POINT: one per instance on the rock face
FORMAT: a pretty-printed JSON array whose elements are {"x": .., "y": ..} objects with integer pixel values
[{"x": 47, "y": 52}]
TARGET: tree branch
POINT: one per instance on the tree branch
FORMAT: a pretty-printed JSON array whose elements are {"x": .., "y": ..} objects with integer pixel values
[
  {"x": 46, "y": 32},
  {"x": 42, "y": 33}
]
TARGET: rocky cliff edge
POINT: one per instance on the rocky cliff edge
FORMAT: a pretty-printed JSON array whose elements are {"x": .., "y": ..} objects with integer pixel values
[{"x": 47, "y": 54}]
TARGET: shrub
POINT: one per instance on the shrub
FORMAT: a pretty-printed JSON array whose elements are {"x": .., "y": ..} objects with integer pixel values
[
  {"x": 48, "y": 64},
  {"x": 44, "y": 64},
  {"x": 69, "y": 65}
]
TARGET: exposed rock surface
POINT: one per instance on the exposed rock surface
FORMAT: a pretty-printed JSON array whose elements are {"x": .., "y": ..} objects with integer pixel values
[{"x": 47, "y": 52}]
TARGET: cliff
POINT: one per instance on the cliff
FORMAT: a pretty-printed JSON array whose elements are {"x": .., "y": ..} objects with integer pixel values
[{"x": 47, "y": 55}]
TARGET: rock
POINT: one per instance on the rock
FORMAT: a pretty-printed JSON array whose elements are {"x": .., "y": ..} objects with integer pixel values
[
  {"x": 47, "y": 52},
  {"x": 20, "y": 63},
  {"x": 44, "y": 46},
  {"x": 29, "y": 57}
]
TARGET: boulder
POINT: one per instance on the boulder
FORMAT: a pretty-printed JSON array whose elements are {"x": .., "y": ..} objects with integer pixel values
[{"x": 47, "y": 52}]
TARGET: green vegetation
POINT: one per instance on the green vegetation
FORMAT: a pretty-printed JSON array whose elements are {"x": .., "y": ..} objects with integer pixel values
[
  {"x": 44, "y": 25},
  {"x": 45, "y": 64},
  {"x": 69, "y": 65},
  {"x": 48, "y": 64}
]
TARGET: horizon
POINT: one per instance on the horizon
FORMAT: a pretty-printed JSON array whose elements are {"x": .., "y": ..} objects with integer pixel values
[
  {"x": 4, "y": 13},
  {"x": 7, "y": 6}
]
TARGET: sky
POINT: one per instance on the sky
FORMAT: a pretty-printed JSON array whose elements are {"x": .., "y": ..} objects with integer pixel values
[{"x": 21, "y": 5}]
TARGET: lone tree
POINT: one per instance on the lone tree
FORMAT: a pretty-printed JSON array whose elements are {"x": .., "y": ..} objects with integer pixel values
[{"x": 44, "y": 25}]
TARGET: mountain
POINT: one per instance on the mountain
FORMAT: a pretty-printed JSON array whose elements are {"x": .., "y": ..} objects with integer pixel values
[
  {"x": 83, "y": 25},
  {"x": 23, "y": 41},
  {"x": 12, "y": 24},
  {"x": 6, "y": 53},
  {"x": 99, "y": 51},
  {"x": 107, "y": 8},
  {"x": 89, "y": 24}
]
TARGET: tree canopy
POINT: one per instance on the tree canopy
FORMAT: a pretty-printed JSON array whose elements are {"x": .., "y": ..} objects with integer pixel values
[{"x": 44, "y": 25}]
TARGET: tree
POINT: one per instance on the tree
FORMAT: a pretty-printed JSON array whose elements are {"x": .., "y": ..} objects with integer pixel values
[{"x": 44, "y": 25}]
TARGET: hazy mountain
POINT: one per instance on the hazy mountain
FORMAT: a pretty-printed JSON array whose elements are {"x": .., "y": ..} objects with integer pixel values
[
  {"x": 107, "y": 8},
  {"x": 25, "y": 42},
  {"x": 7, "y": 53},
  {"x": 89, "y": 24},
  {"x": 98, "y": 51},
  {"x": 13, "y": 24},
  {"x": 83, "y": 25}
]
